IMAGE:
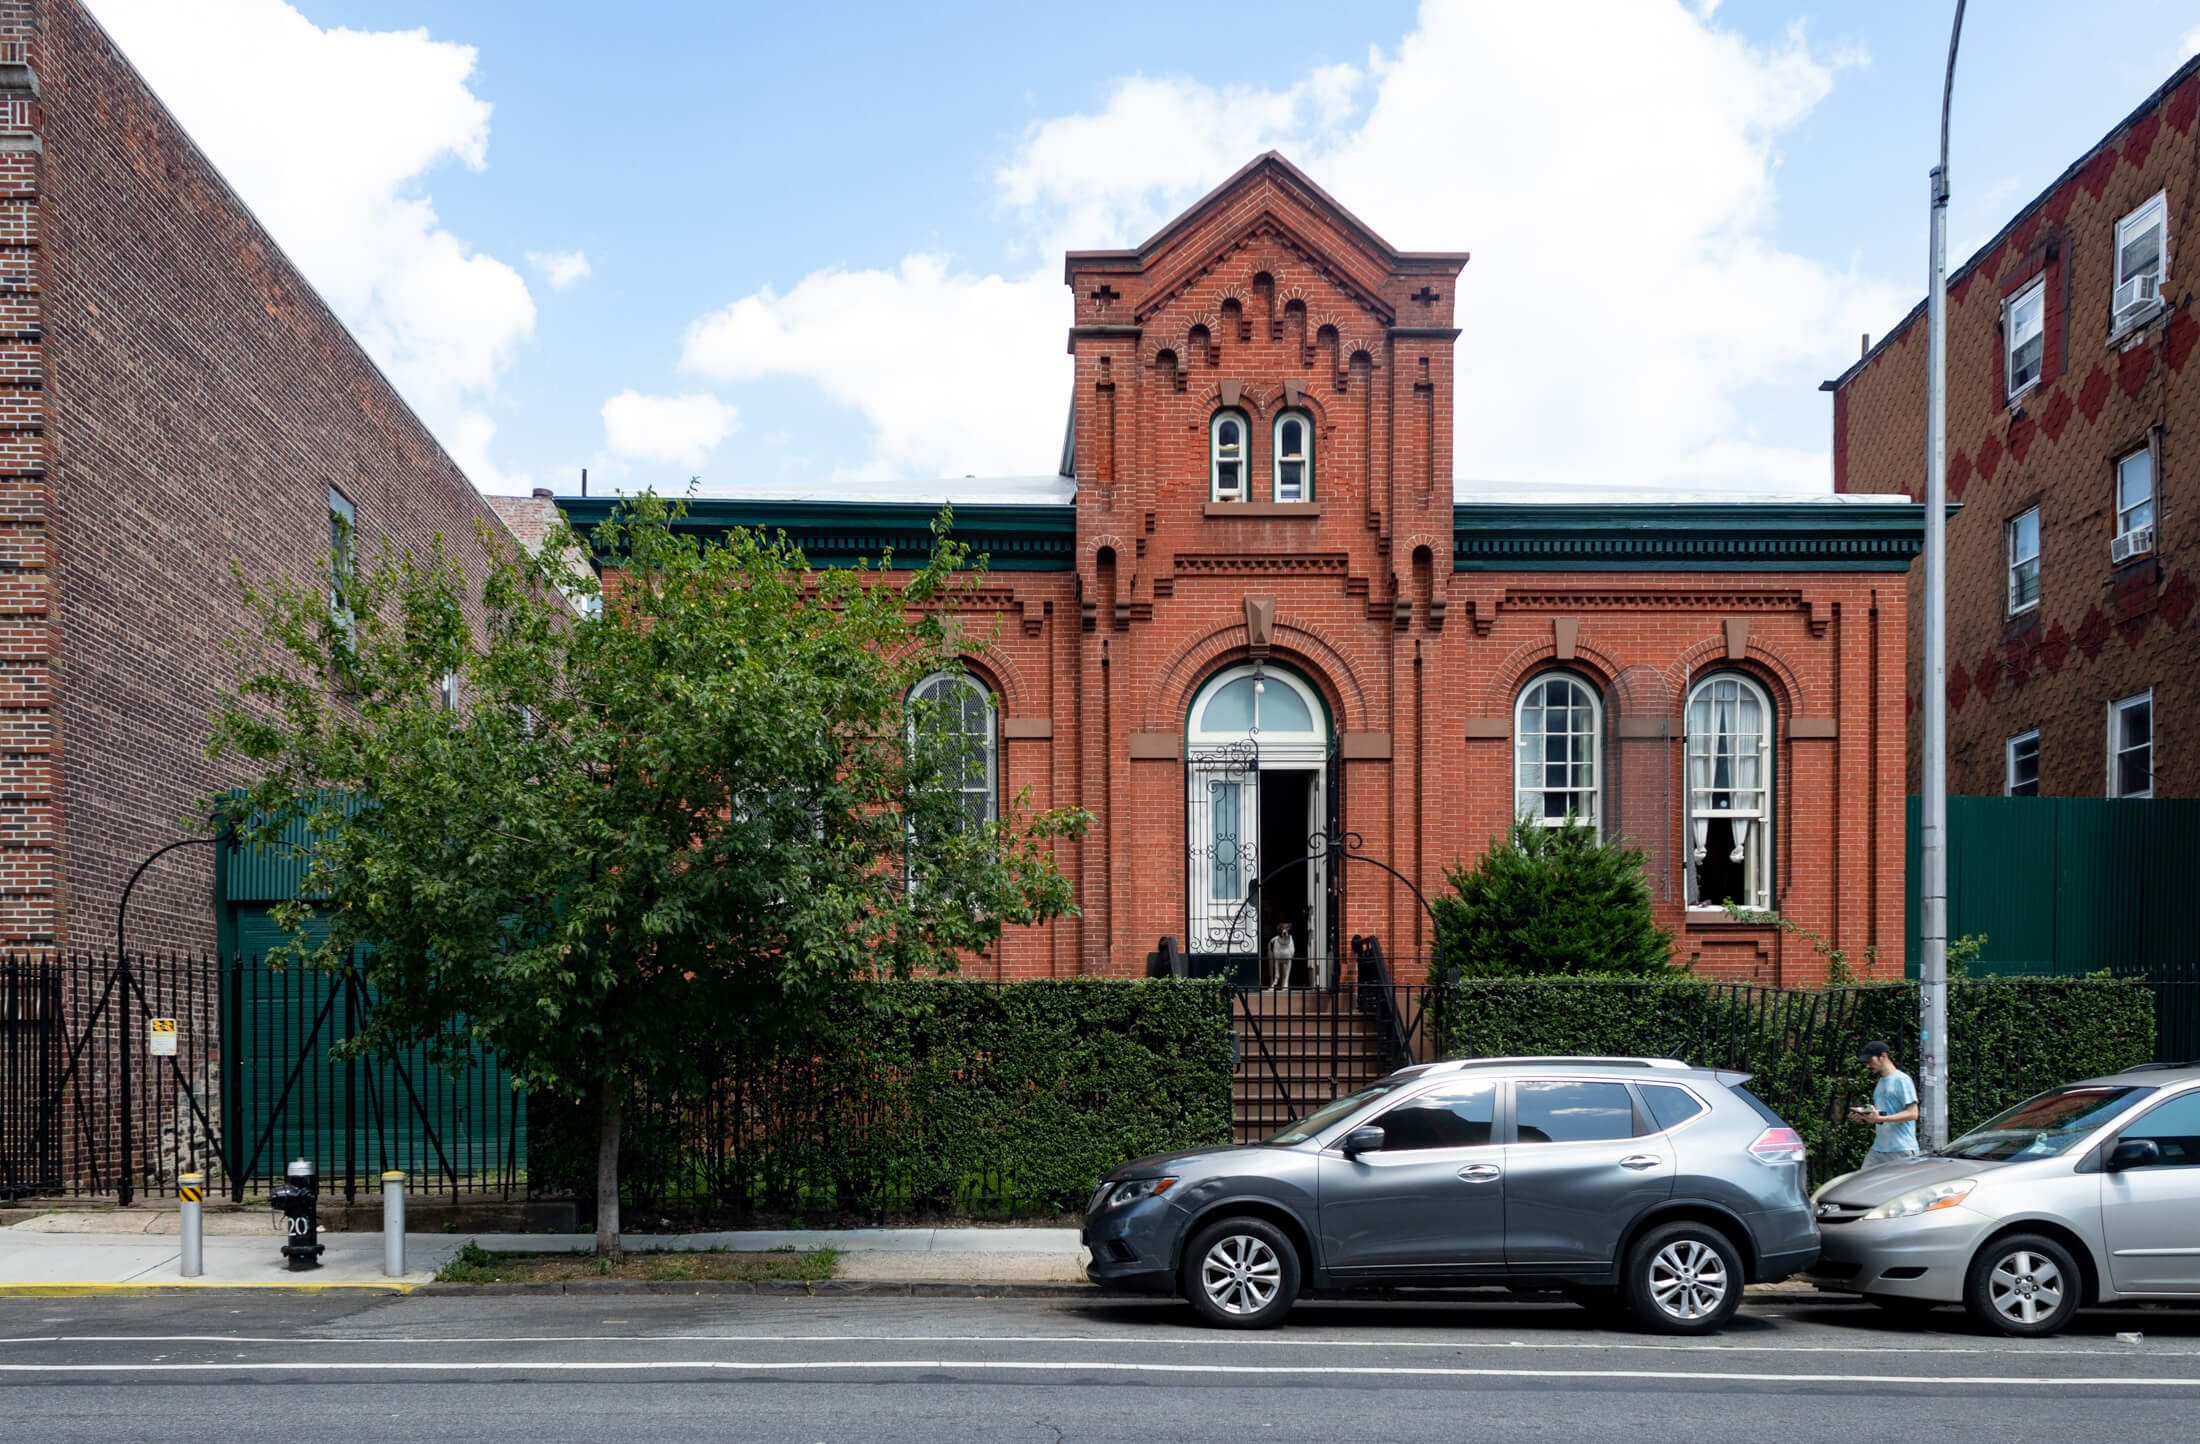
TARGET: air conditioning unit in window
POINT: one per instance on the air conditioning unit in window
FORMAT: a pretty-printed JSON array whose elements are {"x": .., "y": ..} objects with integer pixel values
[
  {"x": 2134, "y": 543},
  {"x": 2136, "y": 294}
]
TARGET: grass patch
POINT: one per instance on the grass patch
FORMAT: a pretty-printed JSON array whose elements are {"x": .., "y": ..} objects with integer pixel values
[{"x": 476, "y": 1265}]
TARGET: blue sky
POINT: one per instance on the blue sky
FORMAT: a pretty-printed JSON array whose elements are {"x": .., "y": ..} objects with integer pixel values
[{"x": 823, "y": 242}]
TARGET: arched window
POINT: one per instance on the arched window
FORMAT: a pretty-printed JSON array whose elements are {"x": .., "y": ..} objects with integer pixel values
[
  {"x": 1729, "y": 793},
  {"x": 1226, "y": 454},
  {"x": 1294, "y": 457},
  {"x": 958, "y": 707},
  {"x": 1558, "y": 751}
]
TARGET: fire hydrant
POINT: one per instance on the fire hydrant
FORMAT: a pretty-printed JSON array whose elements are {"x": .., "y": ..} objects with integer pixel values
[{"x": 298, "y": 1200}]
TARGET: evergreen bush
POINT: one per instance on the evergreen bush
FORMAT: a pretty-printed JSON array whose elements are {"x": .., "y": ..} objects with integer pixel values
[{"x": 1550, "y": 900}]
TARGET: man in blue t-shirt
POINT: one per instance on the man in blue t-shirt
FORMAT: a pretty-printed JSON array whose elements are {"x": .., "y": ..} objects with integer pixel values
[{"x": 1893, "y": 1109}]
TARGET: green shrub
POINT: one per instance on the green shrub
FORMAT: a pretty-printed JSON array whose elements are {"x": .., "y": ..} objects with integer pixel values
[
  {"x": 2012, "y": 1038},
  {"x": 927, "y": 1097},
  {"x": 1550, "y": 900}
]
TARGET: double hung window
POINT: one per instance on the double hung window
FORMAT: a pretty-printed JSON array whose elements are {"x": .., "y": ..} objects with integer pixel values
[
  {"x": 1729, "y": 794},
  {"x": 2131, "y": 746},
  {"x": 1226, "y": 457},
  {"x": 2135, "y": 503},
  {"x": 1294, "y": 457},
  {"x": 2142, "y": 241},
  {"x": 2024, "y": 334},
  {"x": 1558, "y": 745},
  {"x": 2024, "y": 561},
  {"x": 2021, "y": 774}
]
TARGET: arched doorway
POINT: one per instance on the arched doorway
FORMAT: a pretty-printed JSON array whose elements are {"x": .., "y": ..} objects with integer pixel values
[{"x": 1257, "y": 779}]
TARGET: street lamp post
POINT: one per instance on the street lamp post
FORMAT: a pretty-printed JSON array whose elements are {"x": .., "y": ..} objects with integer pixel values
[{"x": 1933, "y": 825}]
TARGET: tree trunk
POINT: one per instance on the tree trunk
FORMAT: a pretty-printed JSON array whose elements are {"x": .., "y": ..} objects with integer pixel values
[{"x": 607, "y": 1171}]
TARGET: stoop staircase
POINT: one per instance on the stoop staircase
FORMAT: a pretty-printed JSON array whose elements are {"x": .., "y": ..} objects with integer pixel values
[{"x": 1298, "y": 1049}]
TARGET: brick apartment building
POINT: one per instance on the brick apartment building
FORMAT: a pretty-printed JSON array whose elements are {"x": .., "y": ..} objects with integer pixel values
[
  {"x": 173, "y": 395},
  {"x": 1251, "y": 608},
  {"x": 2073, "y": 444}
]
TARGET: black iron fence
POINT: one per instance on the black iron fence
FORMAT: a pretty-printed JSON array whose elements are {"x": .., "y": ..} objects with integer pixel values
[{"x": 116, "y": 1076}]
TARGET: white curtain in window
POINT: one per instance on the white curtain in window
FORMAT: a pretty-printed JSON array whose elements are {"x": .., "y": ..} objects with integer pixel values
[{"x": 1729, "y": 792}]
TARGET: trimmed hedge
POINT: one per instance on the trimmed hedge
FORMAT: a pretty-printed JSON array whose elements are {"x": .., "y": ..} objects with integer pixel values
[
  {"x": 2013, "y": 1038},
  {"x": 932, "y": 1097}
]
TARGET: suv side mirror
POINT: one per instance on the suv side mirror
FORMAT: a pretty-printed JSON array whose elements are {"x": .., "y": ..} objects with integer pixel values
[
  {"x": 2133, "y": 1153},
  {"x": 1367, "y": 1139}
]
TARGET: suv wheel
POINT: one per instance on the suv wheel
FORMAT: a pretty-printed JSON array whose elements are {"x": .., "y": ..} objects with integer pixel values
[
  {"x": 1241, "y": 1273},
  {"x": 1683, "y": 1278},
  {"x": 2024, "y": 1285}
]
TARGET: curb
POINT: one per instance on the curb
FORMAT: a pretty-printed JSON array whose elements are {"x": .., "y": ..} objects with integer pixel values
[
  {"x": 193, "y": 1286},
  {"x": 771, "y": 1288}
]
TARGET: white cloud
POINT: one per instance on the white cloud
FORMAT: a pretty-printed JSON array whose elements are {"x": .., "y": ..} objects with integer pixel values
[
  {"x": 327, "y": 135},
  {"x": 560, "y": 268},
  {"x": 2189, "y": 45},
  {"x": 676, "y": 430},
  {"x": 959, "y": 373},
  {"x": 1613, "y": 174}
]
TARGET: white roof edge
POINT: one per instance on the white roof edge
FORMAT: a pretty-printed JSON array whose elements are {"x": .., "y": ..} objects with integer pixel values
[
  {"x": 1048, "y": 489},
  {"x": 1498, "y": 493}
]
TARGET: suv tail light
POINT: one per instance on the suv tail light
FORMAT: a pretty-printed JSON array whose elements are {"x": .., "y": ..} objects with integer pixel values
[{"x": 1778, "y": 1145}]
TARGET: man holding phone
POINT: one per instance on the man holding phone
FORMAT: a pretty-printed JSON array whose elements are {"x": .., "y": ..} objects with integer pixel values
[{"x": 1893, "y": 1109}]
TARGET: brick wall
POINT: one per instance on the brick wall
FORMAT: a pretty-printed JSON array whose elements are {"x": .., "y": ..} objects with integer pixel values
[
  {"x": 185, "y": 400},
  {"x": 2101, "y": 631},
  {"x": 1419, "y": 665}
]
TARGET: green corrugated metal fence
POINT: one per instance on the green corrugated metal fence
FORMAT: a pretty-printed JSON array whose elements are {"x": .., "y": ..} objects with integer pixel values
[{"x": 2066, "y": 885}]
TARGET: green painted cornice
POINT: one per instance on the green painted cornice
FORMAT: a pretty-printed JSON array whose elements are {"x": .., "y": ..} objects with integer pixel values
[
  {"x": 1014, "y": 537},
  {"x": 1754, "y": 536}
]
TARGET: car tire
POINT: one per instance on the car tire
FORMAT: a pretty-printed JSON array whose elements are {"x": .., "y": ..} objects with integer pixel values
[
  {"x": 2025, "y": 1285},
  {"x": 1240, "y": 1273},
  {"x": 1683, "y": 1278}
]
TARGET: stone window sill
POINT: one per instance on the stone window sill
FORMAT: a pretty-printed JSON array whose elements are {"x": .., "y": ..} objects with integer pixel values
[{"x": 1247, "y": 510}]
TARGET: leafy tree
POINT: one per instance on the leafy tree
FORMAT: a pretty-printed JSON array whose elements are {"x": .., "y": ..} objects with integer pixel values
[
  {"x": 680, "y": 818},
  {"x": 1550, "y": 900}
]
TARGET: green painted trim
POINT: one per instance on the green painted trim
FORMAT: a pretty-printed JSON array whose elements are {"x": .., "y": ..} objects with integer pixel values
[
  {"x": 1686, "y": 536},
  {"x": 1013, "y": 537}
]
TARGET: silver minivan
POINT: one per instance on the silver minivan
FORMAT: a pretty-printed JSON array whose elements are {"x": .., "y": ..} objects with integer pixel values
[
  {"x": 1634, "y": 1181},
  {"x": 2087, "y": 1194}
]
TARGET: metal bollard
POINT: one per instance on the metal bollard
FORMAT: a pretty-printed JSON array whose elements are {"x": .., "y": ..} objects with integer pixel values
[
  {"x": 191, "y": 1223},
  {"x": 393, "y": 1224}
]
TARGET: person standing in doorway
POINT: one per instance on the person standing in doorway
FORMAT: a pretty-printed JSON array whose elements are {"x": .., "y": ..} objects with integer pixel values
[
  {"x": 1893, "y": 1110},
  {"x": 1281, "y": 953}
]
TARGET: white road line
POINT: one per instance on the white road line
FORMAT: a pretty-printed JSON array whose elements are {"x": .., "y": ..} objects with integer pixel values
[
  {"x": 1098, "y": 1366},
  {"x": 1204, "y": 1341}
]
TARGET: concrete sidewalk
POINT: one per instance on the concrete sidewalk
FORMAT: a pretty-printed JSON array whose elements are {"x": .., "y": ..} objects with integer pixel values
[{"x": 49, "y": 1256}]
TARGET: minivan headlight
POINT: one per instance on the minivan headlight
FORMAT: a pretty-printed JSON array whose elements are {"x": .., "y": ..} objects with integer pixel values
[
  {"x": 1924, "y": 1200},
  {"x": 1132, "y": 1190}
]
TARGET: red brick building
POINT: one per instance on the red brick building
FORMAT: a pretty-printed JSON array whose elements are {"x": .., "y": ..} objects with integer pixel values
[
  {"x": 2073, "y": 660},
  {"x": 173, "y": 395},
  {"x": 1252, "y": 608}
]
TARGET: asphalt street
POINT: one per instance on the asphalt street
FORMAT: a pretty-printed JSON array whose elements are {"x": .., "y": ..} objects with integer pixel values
[{"x": 648, "y": 1368}]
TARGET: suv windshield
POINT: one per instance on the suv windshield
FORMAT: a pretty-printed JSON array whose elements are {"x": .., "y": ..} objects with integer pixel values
[
  {"x": 2045, "y": 1126},
  {"x": 1321, "y": 1118}
]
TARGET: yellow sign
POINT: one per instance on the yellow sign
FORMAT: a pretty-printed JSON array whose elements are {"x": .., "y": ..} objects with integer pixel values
[{"x": 161, "y": 1041}]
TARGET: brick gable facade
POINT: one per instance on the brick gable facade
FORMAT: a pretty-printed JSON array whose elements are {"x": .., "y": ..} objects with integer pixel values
[{"x": 1415, "y": 617}]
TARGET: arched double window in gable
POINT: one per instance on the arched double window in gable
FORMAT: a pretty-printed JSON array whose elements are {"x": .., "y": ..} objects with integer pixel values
[
  {"x": 1294, "y": 457},
  {"x": 1227, "y": 456},
  {"x": 1729, "y": 841},
  {"x": 1558, "y": 752}
]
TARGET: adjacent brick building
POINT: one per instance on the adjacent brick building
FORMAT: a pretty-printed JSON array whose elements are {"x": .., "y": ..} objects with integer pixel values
[
  {"x": 2073, "y": 443},
  {"x": 1252, "y": 608},
  {"x": 173, "y": 396}
]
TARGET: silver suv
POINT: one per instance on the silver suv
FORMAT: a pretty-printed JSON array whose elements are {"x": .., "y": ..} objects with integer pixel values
[
  {"x": 2089, "y": 1194},
  {"x": 1635, "y": 1180}
]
